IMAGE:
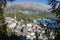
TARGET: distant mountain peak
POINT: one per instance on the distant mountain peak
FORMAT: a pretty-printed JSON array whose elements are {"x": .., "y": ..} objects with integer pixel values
[{"x": 26, "y": 8}]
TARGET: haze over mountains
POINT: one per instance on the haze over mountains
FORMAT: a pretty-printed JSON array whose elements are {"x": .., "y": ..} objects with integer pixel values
[{"x": 27, "y": 8}]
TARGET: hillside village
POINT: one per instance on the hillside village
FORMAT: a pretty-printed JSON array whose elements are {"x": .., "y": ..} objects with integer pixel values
[{"x": 30, "y": 30}]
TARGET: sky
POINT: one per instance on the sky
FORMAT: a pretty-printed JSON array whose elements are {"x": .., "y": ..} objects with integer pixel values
[{"x": 39, "y": 2}]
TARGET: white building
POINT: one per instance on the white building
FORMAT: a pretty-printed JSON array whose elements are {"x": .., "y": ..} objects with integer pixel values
[{"x": 11, "y": 23}]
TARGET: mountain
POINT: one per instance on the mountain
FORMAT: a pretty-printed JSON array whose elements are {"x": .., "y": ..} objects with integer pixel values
[{"x": 27, "y": 8}]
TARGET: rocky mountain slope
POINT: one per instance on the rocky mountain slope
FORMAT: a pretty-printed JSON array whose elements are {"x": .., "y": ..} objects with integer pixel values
[{"x": 27, "y": 8}]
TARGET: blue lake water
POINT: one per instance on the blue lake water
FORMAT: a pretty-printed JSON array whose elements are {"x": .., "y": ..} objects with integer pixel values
[{"x": 50, "y": 23}]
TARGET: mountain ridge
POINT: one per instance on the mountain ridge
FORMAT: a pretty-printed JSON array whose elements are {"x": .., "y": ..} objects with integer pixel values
[{"x": 28, "y": 8}]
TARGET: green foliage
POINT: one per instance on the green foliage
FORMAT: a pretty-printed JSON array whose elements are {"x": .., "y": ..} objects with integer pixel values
[
  {"x": 9, "y": 31},
  {"x": 55, "y": 7},
  {"x": 3, "y": 26},
  {"x": 25, "y": 17}
]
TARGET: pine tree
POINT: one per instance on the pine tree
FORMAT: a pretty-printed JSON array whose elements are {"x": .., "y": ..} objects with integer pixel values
[
  {"x": 3, "y": 35},
  {"x": 55, "y": 7}
]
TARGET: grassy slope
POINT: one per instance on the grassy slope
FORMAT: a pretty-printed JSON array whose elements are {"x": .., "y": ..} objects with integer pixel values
[{"x": 30, "y": 17}]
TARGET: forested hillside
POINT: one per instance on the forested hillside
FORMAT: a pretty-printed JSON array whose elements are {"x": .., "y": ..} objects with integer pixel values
[{"x": 30, "y": 17}]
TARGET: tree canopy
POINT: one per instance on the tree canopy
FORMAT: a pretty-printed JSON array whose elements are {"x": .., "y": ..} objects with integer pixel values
[
  {"x": 55, "y": 7},
  {"x": 3, "y": 26}
]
